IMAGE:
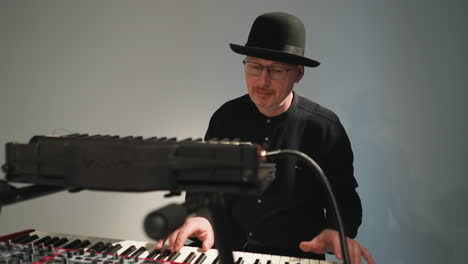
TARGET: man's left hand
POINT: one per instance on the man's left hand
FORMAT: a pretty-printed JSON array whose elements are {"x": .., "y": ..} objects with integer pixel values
[{"x": 329, "y": 241}]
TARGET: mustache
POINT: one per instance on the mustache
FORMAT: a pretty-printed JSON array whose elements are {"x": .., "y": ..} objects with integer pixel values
[{"x": 263, "y": 89}]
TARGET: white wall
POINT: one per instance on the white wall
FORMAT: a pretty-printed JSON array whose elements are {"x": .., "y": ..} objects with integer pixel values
[{"x": 394, "y": 71}]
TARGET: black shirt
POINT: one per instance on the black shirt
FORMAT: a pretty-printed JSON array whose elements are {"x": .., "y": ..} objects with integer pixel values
[{"x": 295, "y": 207}]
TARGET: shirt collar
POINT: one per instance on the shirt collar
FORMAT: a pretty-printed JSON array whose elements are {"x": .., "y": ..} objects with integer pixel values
[{"x": 292, "y": 108}]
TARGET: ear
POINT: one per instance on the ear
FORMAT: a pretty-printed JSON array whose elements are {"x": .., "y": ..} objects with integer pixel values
[{"x": 299, "y": 73}]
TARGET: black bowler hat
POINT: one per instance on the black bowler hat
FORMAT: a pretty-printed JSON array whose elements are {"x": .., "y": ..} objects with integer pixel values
[{"x": 277, "y": 36}]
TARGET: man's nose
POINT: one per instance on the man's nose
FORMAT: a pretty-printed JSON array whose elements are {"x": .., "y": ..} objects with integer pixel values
[{"x": 265, "y": 76}]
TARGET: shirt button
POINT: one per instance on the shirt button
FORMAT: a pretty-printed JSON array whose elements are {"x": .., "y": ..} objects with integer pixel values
[
  {"x": 250, "y": 234},
  {"x": 259, "y": 201},
  {"x": 267, "y": 138},
  {"x": 268, "y": 121}
]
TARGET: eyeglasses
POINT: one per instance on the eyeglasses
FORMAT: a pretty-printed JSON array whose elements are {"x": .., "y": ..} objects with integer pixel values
[{"x": 275, "y": 72}]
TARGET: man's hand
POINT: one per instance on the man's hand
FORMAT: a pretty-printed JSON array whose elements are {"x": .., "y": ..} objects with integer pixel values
[
  {"x": 198, "y": 227},
  {"x": 329, "y": 241}
]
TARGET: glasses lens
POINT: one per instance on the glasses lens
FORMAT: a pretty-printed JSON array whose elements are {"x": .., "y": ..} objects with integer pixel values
[
  {"x": 277, "y": 73},
  {"x": 253, "y": 68}
]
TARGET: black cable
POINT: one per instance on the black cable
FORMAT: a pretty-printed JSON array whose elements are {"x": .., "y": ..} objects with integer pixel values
[{"x": 314, "y": 165}]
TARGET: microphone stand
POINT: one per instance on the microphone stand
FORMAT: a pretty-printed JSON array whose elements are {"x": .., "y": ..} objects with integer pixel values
[{"x": 10, "y": 194}]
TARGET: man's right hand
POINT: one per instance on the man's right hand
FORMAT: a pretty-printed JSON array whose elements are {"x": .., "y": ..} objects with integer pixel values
[{"x": 198, "y": 227}]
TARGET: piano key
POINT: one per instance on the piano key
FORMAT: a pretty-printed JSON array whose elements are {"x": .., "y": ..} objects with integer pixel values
[
  {"x": 250, "y": 258},
  {"x": 20, "y": 238},
  {"x": 96, "y": 246},
  {"x": 263, "y": 258},
  {"x": 294, "y": 260},
  {"x": 185, "y": 252},
  {"x": 42, "y": 240},
  {"x": 113, "y": 249},
  {"x": 30, "y": 239},
  {"x": 216, "y": 260},
  {"x": 51, "y": 241},
  {"x": 211, "y": 256},
  {"x": 139, "y": 251},
  {"x": 105, "y": 247},
  {"x": 188, "y": 259},
  {"x": 239, "y": 260},
  {"x": 164, "y": 254},
  {"x": 153, "y": 254},
  {"x": 128, "y": 250},
  {"x": 173, "y": 256},
  {"x": 73, "y": 245},
  {"x": 304, "y": 261},
  {"x": 60, "y": 242},
  {"x": 201, "y": 258},
  {"x": 275, "y": 259},
  {"x": 84, "y": 244}
]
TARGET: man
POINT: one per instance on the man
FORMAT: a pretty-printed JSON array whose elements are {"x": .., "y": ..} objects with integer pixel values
[{"x": 292, "y": 217}]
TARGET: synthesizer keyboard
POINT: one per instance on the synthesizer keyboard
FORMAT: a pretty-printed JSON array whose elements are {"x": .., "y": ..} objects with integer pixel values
[{"x": 36, "y": 247}]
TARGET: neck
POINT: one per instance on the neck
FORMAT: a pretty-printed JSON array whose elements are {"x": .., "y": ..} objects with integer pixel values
[{"x": 276, "y": 111}]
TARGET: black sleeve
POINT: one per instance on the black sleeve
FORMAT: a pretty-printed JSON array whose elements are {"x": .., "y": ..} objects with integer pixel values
[{"x": 338, "y": 166}]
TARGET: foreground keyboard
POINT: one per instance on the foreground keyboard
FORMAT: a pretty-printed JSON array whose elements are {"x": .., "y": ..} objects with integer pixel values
[{"x": 32, "y": 246}]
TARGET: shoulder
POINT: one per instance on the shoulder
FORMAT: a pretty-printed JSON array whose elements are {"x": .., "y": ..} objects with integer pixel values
[
  {"x": 233, "y": 107},
  {"x": 312, "y": 111}
]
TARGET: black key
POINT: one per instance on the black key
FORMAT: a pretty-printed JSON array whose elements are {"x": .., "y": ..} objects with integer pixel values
[
  {"x": 200, "y": 258},
  {"x": 164, "y": 254},
  {"x": 240, "y": 260},
  {"x": 105, "y": 247},
  {"x": 97, "y": 245},
  {"x": 173, "y": 256},
  {"x": 128, "y": 251},
  {"x": 269, "y": 262},
  {"x": 52, "y": 241},
  {"x": 84, "y": 244},
  {"x": 189, "y": 258},
  {"x": 257, "y": 261},
  {"x": 138, "y": 252},
  {"x": 216, "y": 260},
  {"x": 30, "y": 239},
  {"x": 153, "y": 253},
  {"x": 42, "y": 240},
  {"x": 73, "y": 245},
  {"x": 60, "y": 242},
  {"x": 21, "y": 238},
  {"x": 113, "y": 249}
]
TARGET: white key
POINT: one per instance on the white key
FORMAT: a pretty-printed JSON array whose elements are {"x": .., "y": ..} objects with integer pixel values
[
  {"x": 265, "y": 258},
  {"x": 275, "y": 259},
  {"x": 294, "y": 260},
  {"x": 305, "y": 261},
  {"x": 184, "y": 252},
  {"x": 211, "y": 255},
  {"x": 284, "y": 259}
]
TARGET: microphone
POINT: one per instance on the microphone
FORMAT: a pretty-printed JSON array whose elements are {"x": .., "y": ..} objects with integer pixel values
[{"x": 162, "y": 222}]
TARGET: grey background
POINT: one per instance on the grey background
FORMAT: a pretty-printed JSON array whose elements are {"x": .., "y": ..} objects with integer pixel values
[{"x": 394, "y": 71}]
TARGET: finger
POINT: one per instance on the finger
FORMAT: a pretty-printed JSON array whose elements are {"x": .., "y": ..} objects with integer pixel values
[
  {"x": 336, "y": 248},
  {"x": 355, "y": 253},
  {"x": 179, "y": 242},
  {"x": 367, "y": 256},
  {"x": 171, "y": 239},
  {"x": 208, "y": 241},
  {"x": 317, "y": 246},
  {"x": 160, "y": 243}
]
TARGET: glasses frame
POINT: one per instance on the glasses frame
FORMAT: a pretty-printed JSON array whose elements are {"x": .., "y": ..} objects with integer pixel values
[{"x": 268, "y": 68}]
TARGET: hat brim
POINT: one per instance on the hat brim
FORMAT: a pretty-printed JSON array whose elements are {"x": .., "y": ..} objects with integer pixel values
[{"x": 275, "y": 55}]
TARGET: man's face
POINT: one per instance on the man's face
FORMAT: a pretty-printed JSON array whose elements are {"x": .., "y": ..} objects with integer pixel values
[{"x": 272, "y": 96}]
